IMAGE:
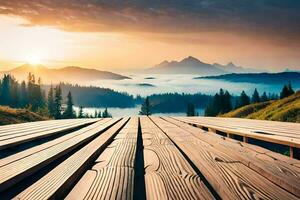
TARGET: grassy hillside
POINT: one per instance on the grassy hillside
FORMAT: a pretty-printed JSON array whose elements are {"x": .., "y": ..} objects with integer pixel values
[
  {"x": 14, "y": 116},
  {"x": 287, "y": 109}
]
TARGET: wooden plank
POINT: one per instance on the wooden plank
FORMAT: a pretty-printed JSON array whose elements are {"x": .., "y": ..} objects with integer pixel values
[
  {"x": 249, "y": 125},
  {"x": 274, "y": 138},
  {"x": 168, "y": 175},
  {"x": 13, "y": 172},
  {"x": 241, "y": 126},
  {"x": 41, "y": 127},
  {"x": 8, "y": 141},
  {"x": 230, "y": 178},
  {"x": 277, "y": 128},
  {"x": 41, "y": 147},
  {"x": 14, "y": 127},
  {"x": 30, "y": 126},
  {"x": 277, "y": 171},
  {"x": 54, "y": 184},
  {"x": 112, "y": 177}
]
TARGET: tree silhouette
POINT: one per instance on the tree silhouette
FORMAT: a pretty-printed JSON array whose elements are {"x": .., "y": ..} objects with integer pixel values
[
  {"x": 243, "y": 100},
  {"x": 220, "y": 104},
  {"x": 190, "y": 110},
  {"x": 69, "y": 113},
  {"x": 57, "y": 102},
  {"x": 5, "y": 90},
  {"x": 290, "y": 89},
  {"x": 146, "y": 108},
  {"x": 99, "y": 114},
  {"x": 106, "y": 114},
  {"x": 80, "y": 113},
  {"x": 255, "y": 96},
  {"x": 264, "y": 97},
  {"x": 23, "y": 95},
  {"x": 51, "y": 103}
]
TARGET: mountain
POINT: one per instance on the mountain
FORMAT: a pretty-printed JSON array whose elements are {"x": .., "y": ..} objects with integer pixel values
[
  {"x": 263, "y": 78},
  {"x": 287, "y": 109},
  {"x": 191, "y": 65},
  {"x": 66, "y": 74},
  {"x": 232, "y": 68}
]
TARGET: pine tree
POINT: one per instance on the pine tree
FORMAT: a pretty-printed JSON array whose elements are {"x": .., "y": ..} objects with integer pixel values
[
  {"x": 40, "y": 95},
  {"x": 146, "y": 108},
  {"x": 220, "y": 104},
  {"x": 255, "y": 96},
  {"x": 243, "y": 100},
  {"x": 190, "y": 110},
  {"x": 106, "y": 114},
  {"x": 284, "y": 92},
  {"x": 80, "y": 113},
  {"x": 69, "y": 113},
  {"x": 264, "y": 97},
  {"x": 57, "y": 102},
  {"x": 36, "y": 97},
  {"x": 290, "y": 89},
  {"x": 96, "y": 114},
  {"x": 5, "y": 90},
  {"x": 14, "y": 92},
  {"x": 30, "y": 90},
  {"x": 227, "y": 103},
  {"x": 23, "y": 95},
  {"x": 51, "y": 103},
  {"x": 99, "y": 114}
]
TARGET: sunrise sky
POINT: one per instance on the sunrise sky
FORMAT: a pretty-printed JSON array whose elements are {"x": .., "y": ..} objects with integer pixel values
[{"x": 123, "y": 34}]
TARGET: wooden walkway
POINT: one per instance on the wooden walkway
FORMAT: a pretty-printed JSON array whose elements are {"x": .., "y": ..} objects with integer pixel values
[{"x": 148, "y": 158}]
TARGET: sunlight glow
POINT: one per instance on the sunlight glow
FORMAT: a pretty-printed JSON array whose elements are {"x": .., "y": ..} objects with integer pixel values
[{"x": 34, "y": 59}]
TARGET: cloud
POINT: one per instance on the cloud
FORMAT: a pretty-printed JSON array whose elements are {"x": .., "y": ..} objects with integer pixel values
[{"x": 258, "y": 18}]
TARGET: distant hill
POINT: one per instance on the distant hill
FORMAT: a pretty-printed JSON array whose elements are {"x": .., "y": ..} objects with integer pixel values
[
  {"x": 287, "y": 110},
  {"x": 14, "y": 116},
  {"x": 66, "y": 74},
  {"x": 267, "y": 78},
  {"x": 191, "y": 65},
  {"x": 232, "y": 68}
]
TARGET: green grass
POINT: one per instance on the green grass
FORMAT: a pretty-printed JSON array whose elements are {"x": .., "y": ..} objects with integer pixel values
[
  {"x": 287, "y": 110},
  {"x": 14, "y": 116}
]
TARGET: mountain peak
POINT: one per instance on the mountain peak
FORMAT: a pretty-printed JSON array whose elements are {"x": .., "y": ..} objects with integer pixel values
[
  {"x": 231, "y": 64},
  {"x": 191, "y": 59}
]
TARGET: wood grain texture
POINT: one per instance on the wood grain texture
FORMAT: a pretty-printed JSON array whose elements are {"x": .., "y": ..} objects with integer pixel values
[
  {"x": 53, "y": 184},
  {"x": 230, "y": 178},
  {"x": 41, "y": 147},
  {"x": 284, "y": 138},
  {"x": 168, "y": 175},
  {"x": 263, "y": 125},
  {"x": 13, "y": 172},
  {"x": 179, "y": 161},
  {"x": 277, "y": 171},
  {"x": 112, "y": 177},
  {"x": 33, "y": 126},
  {"x": 13, "y": 138}
]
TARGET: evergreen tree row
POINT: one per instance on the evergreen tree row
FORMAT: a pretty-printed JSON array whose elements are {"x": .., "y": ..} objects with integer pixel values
[
  {"x": 98, "y": 114},
  {"x": 22, "y": 95},
  {"x": 31, "y": 96},
  {"x": 220, "y": 104},
  {"x": 222, "y": 101}
]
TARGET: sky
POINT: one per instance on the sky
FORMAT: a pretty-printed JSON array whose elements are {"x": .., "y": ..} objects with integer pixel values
[{"x": 129, "y": 34}]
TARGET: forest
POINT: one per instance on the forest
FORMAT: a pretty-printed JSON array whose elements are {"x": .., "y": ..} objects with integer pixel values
[
  {"x": 90, "y": 96},
  {"x": 176, "y": 102}
]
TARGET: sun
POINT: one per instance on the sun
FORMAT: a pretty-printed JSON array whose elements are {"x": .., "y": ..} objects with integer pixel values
[{"x": 34, "y": 59}]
